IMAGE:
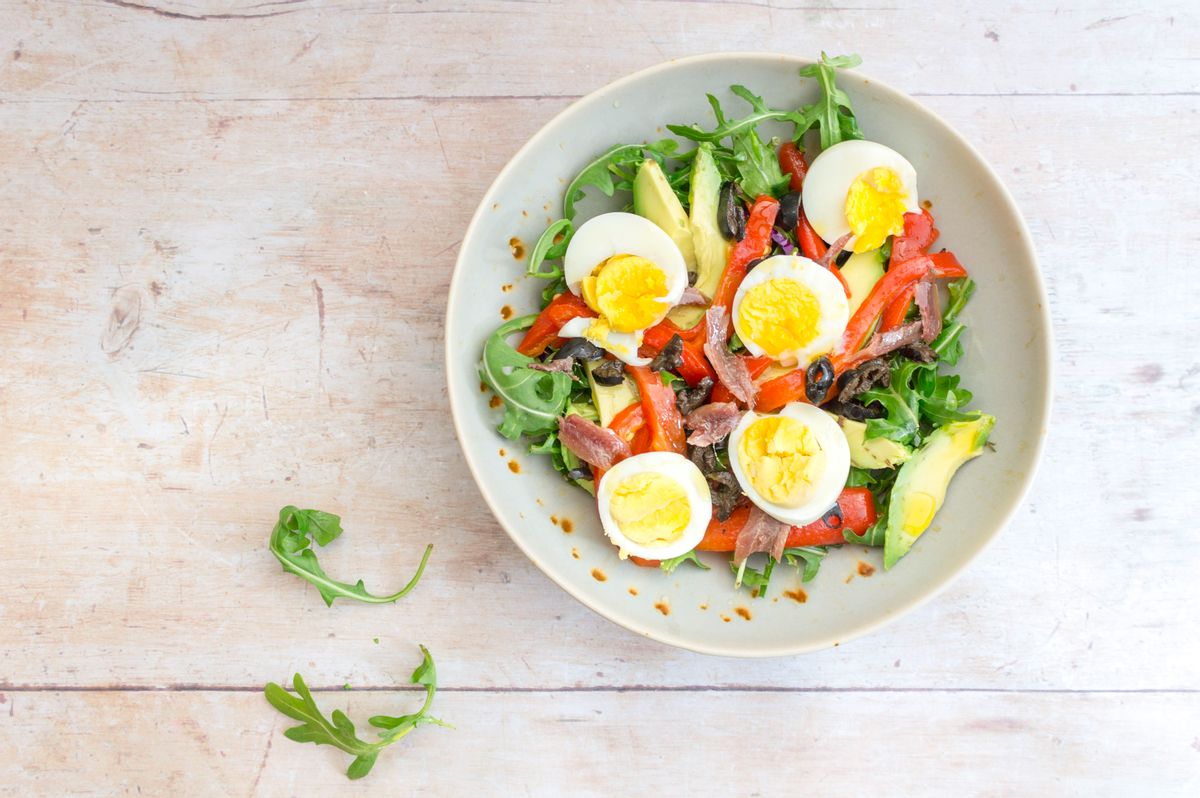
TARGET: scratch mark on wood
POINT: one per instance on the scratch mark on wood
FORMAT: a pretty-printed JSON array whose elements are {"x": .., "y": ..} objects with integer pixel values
[
  {"x": 1105, "y": 22},
  {"x": 266, "y": 412},
  {"x": 122, "y": 321},
  {"x": 320, "y": 326},
  {"x": 263, "y": 763},
  {"x": 441, "y": 143},
  {"x": 162, "y": 12},
  {"x": 212, "y": 440},
  {"x": 186, "y": 431},
  {"x": 304, "y": 48}
]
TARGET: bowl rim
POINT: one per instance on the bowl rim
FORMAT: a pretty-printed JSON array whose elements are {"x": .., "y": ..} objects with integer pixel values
[{"x": 934, "y": 587}]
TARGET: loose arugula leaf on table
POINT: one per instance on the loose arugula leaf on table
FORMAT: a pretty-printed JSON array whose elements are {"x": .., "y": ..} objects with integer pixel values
[
  {"x": 291, "y": 543},
  {"x": 833, "y": 114},
  {"x": 533, "y": 400},
  {"x": 669, "y": 566},
  {"x": 338, "y": 730}
]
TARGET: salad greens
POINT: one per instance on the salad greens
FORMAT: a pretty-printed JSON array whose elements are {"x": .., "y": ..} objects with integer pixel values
[
  {"x": 338, "y": 730},
  {"x": 533, "y": 400},
  {"x": 733, "y": 196},
  {"x": 291, "y": 543}
]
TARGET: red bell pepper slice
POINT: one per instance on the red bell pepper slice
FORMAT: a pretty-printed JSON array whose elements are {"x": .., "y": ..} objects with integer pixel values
[
  {"x": 756, "y": 243},
  {"x": 813, "y": 248},
  {"x": 858, "y": 513},
  {"x": 786, "y": 388},
  {"x": 695, "y": 366},
  {"x": 544, "y": 331},
  {"x": 793, "y": 164},
  {"x": 662, "y": 415},
  {"x": 755, "y": 365},
  {"x": 693, "y": 333},
  {"x": 918, "y": 236}
]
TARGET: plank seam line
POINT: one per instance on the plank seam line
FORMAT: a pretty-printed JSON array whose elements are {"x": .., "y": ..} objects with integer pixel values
[{"x": 199, "y": 688}]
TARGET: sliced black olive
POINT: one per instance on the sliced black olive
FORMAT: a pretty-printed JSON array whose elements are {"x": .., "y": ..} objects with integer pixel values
[
  {"x": 670, "y": 357},
  {"x": 856, "y": 411},
  {"x": 580, "y": 349},
  {"x": 844, "y": 256},
  {"x": 789, "y": 211},
  {"x": 689, "y": 399},
  {"x": 731, "y": 216},
  {"x": 610, "y": 372},
  {"x": 834, "y": 519},
  {"x": 704, "y": 457},
  {"x": 818, "y": 379},
  {"x": 693, "y": 277},
  {"x": 864, "y": 378},
  {"x": 750, "y": 266}
]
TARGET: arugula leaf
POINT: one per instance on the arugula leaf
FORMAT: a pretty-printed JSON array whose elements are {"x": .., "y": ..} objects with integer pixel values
[
  {"x": 940, "y": 398},
  {"x": 669, "y": 566},
  {"x": 874, "y": 535},
  {"x": 808, "y": 557},
  {"x": 338, "y": 730},
  {"x": 291, "y": 543},
  {"x": 833, "y": 113},
  {"x": 726, "y": 128},
  {"x": 860, "y": 478},
  {"x": 622, "y": 161},
  {"x": 903, "y": 420},
  {"x": 547, "y": 248},
  {"x": 754, "y": 579},
  {"x": 533, "y": 400},
  {"x": 757, "y": 165}
]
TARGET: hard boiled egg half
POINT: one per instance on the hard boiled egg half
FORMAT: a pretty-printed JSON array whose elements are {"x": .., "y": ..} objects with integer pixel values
[
  {"x": 654, "y": 505},
  {"x": 790, "y": 309},
  {"x": 792, "y": 464},
  {"x": 859, "y": 187},
  {"x": 630, "y": 272}
]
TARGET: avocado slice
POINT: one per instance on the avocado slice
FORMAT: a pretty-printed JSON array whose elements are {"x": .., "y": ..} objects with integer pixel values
[
  {"x": 711, "y": 248},
  {"x": 654, "y": 199},
  {"x": 611, "y": 399},
  {"x": 861, "y": 272},
  {"x": 872, "y": 453},
  {"x": 920, "y": 488}
]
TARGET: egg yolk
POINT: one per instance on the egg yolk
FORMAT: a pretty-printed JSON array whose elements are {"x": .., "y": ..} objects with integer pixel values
[
  {"x": 650, "y": 509},
  {"x": 875, "y": 207},
  {"x": 627, "y": 290},
  {"x": 780, "y": 316},
  {"x": 782, "y": 459}
]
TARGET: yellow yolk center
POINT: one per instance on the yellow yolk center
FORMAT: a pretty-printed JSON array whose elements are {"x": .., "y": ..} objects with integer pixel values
[
  {"x": 628, "y": 290},
  {"x": 781, "y": 458},
  {"x": 780, "y": 316},
  {"x": 650, "y": 509},
  {"x": 875, "y": 207}
]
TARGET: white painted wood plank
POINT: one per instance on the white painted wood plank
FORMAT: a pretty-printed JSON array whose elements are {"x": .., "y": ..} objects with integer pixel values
[
  {"x": 114, "y": 51},
  {"x": 605, "y": 743},
  {"x": 141, "y": 483}
]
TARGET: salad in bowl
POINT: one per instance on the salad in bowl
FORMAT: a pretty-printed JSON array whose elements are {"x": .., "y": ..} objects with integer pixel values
[{"x": 753, "y": 358}]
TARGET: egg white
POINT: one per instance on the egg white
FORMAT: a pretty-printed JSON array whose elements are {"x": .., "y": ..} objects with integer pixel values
[
  {"x": 672, "y": 466},
  {"x": 623, "y": 346},
  {"x": 829, "y": 483},
  {"x": 609, "y": 234},
  {"x": 834, "y": 308},
  {"x": 832, "y": 172}
]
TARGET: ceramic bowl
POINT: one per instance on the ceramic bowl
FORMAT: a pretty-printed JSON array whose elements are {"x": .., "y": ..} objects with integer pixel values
[{"x": 1007, "y": 364}]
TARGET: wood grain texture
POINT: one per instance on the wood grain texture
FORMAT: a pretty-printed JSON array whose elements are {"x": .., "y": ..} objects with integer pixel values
[
  {"x": 601, "y": 743},
  {"x": 226, "y": 233}
]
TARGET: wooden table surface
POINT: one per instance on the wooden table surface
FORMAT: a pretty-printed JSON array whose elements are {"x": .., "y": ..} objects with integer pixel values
[{"x": 226, "y": 232}]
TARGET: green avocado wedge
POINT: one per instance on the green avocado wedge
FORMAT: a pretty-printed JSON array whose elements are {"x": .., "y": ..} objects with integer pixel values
[
  {"x": 920, "y": 488},
  {"x": 654, "y": 199}
]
